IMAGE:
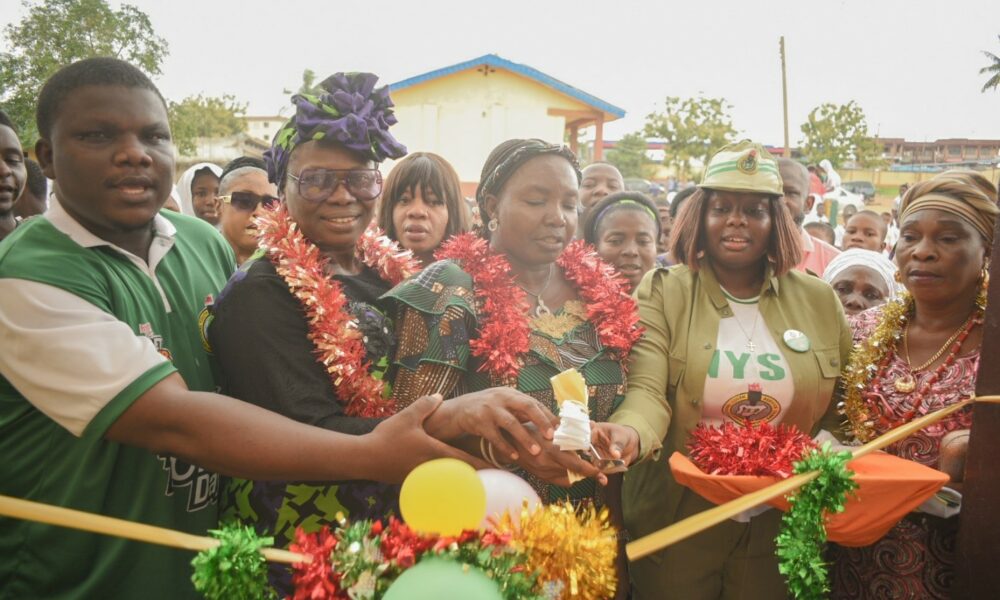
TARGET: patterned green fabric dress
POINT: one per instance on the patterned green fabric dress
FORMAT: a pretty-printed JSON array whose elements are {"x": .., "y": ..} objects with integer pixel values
[{"x": 436, "y": 318}]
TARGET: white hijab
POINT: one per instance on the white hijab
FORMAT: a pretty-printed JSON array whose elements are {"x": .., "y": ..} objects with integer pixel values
[
  {"x": 184, "y": 184},
  {"x": 832, "y": 177},
  {"x": 858, "y": 257}
]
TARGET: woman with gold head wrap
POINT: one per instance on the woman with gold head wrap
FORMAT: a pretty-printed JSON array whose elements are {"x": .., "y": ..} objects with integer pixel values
[{"x": 925, "y": 348}]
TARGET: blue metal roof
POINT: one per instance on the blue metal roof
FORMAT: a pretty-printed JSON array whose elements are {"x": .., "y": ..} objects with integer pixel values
[{"x": 495, "y": 61}]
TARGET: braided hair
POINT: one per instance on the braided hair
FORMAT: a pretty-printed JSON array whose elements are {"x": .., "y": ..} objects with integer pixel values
[{"x": 506, "y": 159}]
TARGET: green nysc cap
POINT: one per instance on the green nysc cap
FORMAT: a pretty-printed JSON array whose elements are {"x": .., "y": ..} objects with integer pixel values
[{"x": 743, "y": 166}]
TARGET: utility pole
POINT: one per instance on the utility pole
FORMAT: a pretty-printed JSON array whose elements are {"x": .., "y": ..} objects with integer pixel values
[{"x": 784, "y": 94}]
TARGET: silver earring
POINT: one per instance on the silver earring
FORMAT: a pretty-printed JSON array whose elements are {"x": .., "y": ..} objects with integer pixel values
[{"x": 492, "y": 225}]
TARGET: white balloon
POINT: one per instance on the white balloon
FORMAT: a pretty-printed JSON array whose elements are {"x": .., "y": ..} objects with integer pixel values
[{"x": 505, "y": 492}]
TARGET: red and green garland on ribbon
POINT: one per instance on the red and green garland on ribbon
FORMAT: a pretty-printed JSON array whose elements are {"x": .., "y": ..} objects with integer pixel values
[
  {"x": 504, "y": 329},
  {"x": 333, "y": 330},
  {"x": 555, "y": 551},
  {"x": 763, "y": 450}
]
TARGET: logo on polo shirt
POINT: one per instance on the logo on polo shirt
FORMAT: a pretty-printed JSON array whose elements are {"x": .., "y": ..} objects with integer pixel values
[
  {"x": 146, "y": 330},
  {"x": 202, "y": 485}
]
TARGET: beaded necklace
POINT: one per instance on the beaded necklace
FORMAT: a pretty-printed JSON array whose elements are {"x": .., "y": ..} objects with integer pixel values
[{"x": 865, "y": 407}]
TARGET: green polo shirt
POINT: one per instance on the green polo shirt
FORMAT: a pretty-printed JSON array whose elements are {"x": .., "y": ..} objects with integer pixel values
[{"x": 75, "y": 466}]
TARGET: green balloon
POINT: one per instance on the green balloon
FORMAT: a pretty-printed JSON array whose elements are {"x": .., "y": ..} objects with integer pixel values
[{"x": 437, "y": 579}]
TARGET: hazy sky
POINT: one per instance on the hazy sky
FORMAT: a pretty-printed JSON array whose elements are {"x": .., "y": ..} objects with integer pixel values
[{"x": 912, "y": 65}]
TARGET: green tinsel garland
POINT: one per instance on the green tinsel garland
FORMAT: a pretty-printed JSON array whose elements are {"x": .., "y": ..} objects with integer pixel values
[
  {"x": 803, "y": 530},
  {"x": 235, "y": 569}
]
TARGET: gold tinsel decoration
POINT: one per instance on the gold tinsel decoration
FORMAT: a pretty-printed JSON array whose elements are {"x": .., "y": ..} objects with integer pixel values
[
  {"x": 573, "y": 550},
  {"x": 864, "y": 361}
]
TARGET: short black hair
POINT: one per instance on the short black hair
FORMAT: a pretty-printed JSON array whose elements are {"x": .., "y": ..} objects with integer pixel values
[
  {"x": 242, "y": 162},
  {"x": 611, "y": 203},
  {"x": 37, "y": 184},
  {"x": 828, "y": 232},
  {"x": 5, "y": 121},
  {"x": 102, "y": 71}
]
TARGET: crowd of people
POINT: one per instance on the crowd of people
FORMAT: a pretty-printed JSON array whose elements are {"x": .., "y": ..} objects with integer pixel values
[{"x": 261, "y": 354}]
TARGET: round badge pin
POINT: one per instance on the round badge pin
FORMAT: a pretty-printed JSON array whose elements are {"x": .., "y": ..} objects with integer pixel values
[{"x": 796, "y": 340}]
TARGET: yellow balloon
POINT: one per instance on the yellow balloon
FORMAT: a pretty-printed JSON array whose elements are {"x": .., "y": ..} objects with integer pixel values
[{"x": 443, "y": 496}]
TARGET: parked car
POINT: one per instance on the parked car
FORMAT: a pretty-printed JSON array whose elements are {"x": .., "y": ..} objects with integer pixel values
[
  {"x": 843, "y": 198},
  {"x": 865, "y": 188}
]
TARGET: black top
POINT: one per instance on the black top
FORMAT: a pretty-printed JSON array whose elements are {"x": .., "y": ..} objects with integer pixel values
[{"x": 259, "y": 334}]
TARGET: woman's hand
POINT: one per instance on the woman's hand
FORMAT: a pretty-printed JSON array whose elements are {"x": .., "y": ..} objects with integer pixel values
[
  {"x": 615, "y": 441},
  {"x": 490, "y": 414},
  {"x": 553, "y": 464},
  {"x": 405, "y": 444}
]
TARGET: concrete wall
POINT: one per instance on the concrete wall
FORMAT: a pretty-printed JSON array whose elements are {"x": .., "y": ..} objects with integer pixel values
[
  {"x": 883, "y": 178},
  {"x": 464, "y": 116}
]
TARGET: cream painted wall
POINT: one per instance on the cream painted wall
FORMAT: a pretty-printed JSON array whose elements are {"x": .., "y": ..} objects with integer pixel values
[{"x": 464, "y": 116}]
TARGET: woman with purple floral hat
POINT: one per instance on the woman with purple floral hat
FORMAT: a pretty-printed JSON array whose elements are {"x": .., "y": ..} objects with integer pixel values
[{"x": 298, "y": 329}]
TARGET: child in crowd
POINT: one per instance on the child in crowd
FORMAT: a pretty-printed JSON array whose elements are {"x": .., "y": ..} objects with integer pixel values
[
  {"x": 865, "y": 230},
  {"x": 199, "y": 190},
  {"x": 821, "y": 231}
]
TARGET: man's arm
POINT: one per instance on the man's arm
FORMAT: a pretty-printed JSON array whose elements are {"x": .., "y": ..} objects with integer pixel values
[{"x": 235, "y": 438}]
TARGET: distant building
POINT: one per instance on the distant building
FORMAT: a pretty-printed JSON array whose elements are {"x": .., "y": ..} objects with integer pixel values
[
  {"x": 464, "y": 110},
  {"x": 264, "y": 127},
  {"x": 221, "y": 150},
  {"x": 949, "y": 150}
]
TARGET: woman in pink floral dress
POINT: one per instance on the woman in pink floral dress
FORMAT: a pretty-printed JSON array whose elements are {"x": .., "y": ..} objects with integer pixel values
[{"x": 914, "y": 356}]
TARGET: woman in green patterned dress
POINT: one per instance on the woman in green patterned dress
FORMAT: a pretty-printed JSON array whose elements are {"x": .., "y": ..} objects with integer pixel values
[{"x": 519, "y": 303}]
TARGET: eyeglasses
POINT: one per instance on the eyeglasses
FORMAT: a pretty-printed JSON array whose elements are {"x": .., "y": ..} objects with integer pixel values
[
  {"x": 248, "y": 201},
  {"x": 316, "y": 185}
]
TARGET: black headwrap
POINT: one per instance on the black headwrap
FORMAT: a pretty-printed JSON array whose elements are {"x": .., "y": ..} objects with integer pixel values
[{"x": 508, "y": 158}]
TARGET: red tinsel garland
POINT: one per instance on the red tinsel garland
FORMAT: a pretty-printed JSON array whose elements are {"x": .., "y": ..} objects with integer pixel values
[
  {"x": 399, "y": 546},
  {"x": 504, "y": 329},
  {"x": 333, "y": 331},
  {"x": 609, "y": 307},
  {"x": 734, "y": 449},
  {"x": 317, "y": 579}
]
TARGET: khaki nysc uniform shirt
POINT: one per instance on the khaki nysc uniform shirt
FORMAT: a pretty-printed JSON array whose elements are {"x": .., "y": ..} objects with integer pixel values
[{"x": 680, "y": 311}]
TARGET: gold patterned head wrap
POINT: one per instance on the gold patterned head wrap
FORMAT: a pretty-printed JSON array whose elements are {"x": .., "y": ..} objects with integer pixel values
[{"x": 965, "y": 194}]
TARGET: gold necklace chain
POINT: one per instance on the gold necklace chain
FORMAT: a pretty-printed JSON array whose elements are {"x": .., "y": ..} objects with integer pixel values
[{"x": 939, "y": 353}]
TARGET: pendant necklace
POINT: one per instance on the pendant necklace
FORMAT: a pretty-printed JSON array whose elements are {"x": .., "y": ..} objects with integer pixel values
[
  {"x": 540, "y": 310},
  {"x": 754, "y": 390}
]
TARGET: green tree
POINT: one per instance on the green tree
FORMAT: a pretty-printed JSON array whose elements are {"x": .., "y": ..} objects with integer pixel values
[
  {"x": 201, "y": 116},
  {"x": 839, "y": 132},
  {"x": 55, "y": 33},
  {"x": 993, "y": 70},
  {"x": 691, "y": 129},
  {"x": 629, "y": 155},
  {"x": 308, "y": 85}
]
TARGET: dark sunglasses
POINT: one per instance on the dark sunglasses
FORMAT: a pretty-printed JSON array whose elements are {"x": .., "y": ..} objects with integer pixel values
[
  {"x": 316, "y": 185},
  {"x": 248, "y": 201}
]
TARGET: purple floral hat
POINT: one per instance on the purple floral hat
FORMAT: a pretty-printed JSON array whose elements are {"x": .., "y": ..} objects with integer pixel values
[{"x": 347, "y": 109}]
